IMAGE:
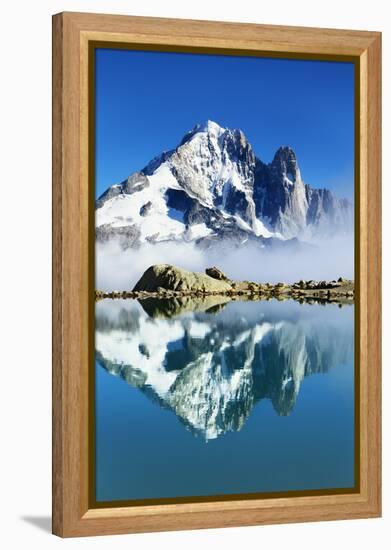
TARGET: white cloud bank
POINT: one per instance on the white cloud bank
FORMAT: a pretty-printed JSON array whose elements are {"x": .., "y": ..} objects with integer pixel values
[{"x": 118, "y": 269}]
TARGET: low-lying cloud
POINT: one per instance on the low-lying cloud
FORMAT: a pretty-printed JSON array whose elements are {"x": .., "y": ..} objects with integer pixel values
[{"x": 118, "y": 269}]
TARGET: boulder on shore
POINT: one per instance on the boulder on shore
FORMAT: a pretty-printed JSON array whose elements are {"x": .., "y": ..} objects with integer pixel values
[
  {"x": 169, "y": 277},
  {"x": 216, "y": 273}
]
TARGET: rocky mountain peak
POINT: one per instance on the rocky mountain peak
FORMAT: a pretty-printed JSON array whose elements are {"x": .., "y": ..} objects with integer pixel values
[
  {"x": 285, "y": 153},
  {"x": 285, "y": 163},
  {"x": 209, "y": 127}
]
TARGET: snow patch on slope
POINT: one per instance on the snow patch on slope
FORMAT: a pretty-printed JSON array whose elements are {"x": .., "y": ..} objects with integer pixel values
[{"x": 125, "y": 210}]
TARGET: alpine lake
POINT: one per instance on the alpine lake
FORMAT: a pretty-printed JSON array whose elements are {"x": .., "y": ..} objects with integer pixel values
[{"x": 220, "y": 396}]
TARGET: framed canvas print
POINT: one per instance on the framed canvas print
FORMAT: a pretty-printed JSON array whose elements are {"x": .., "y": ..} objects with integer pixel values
[{"x": 216, "y": 268}]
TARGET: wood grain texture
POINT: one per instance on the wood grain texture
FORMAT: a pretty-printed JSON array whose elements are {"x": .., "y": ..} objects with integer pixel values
[
  {"x": 72, "y": 34},
  {"x": 57, "y": 461},
  {"x": 222, "y": 34},
  {"x": 373, "y": 262}
]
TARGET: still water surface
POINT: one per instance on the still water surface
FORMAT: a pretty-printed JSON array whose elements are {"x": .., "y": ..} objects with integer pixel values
[{"x": 212, "y": 398}]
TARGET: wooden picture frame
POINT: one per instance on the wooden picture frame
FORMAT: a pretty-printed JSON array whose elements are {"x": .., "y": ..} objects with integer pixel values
[{"x": 73, "y": 34}]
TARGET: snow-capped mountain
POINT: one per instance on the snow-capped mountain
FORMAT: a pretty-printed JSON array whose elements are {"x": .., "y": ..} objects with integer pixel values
[
  {"x": 212, "y": 187},
  {"x": 211, "y": 370}
]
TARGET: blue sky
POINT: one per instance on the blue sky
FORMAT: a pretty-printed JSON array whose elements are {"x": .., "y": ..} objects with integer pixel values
[{"x": 146, "y": 101}]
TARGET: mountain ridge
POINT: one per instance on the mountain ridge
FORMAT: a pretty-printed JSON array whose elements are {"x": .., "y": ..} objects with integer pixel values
[{"x": 212, "y": 188}]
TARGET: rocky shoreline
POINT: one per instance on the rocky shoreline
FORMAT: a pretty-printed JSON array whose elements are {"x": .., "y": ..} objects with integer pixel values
[{"x": 170, "y": 282}]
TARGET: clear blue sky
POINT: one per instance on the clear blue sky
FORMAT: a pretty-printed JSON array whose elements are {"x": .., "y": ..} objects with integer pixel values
[{"x": 146, "y": 102}]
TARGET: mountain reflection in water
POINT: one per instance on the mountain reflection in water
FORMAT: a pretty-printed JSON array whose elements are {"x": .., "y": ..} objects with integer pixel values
[{"x": 210, "y": 361}]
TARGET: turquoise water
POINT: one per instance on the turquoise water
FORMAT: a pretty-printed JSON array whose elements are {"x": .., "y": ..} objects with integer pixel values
[{"x": 244, "y": 397}]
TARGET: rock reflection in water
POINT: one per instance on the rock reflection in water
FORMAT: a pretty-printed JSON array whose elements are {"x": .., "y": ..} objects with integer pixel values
[{"x": 210, "y": 361}]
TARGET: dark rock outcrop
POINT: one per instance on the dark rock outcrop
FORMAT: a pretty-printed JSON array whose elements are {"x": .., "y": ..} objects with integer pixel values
[
  {"x": 145, "y": 209},
  {"x": 216, "y": 273},
  {"x": 134, "y": 183}
]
